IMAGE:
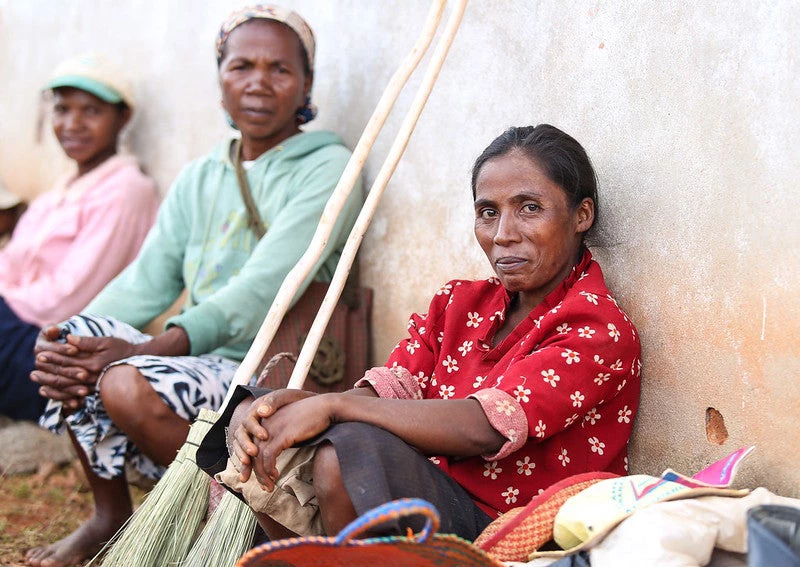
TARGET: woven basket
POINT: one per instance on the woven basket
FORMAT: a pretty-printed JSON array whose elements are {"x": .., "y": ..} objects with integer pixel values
[
  {"x": 425, "y": 549},
  {"x": 520, "y": 531}
]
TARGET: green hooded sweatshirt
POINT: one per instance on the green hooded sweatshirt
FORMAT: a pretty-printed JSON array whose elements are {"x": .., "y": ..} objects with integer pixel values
[{"x": 201, "y": 242}]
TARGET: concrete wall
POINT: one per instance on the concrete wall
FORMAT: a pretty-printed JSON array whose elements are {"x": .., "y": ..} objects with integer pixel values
[{"x": 689, "y": 111}]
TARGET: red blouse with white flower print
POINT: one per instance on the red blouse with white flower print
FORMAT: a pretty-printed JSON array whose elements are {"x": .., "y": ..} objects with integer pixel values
[{"x": 562, "y": 388}]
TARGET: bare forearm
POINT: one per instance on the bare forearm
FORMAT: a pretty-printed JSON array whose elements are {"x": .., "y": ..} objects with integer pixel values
[
  {"x": 172, "y": 342},
  {"x": 435, "y": 427}
]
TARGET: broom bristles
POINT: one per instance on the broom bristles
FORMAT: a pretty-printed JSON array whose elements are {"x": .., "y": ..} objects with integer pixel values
[
  {"x": 228, "y": 534},
  {"x": 162, "y": 529}
]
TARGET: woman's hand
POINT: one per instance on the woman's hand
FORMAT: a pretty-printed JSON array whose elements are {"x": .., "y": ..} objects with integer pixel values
[
  {"x": 248, "y": 433},
  {"x": 50, "y": 340},
  {"x": 289, "y": 425},
  {"x": 93, "y": 353},
  {"x": 68, "y": 371},
  {"x": 65, "y": 384}
]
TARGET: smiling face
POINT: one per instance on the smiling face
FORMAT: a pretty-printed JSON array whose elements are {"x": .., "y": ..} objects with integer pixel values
[
  {"x": 526, "y": 226},
  {"x": 263, "y": 83},
  {"x": 86, "y": 127}
]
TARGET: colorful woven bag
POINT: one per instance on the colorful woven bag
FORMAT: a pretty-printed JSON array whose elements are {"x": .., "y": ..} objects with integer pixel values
[{"x": 424, "y": 549}]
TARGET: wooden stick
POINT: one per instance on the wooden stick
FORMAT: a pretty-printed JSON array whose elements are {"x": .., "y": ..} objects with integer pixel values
[
  {"x": 295, "y": 278},
  {"x": 373, "y": 198}
]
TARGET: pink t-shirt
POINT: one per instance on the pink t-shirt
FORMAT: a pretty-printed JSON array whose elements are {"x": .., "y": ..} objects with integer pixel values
[{"x": 75, "y": 238}]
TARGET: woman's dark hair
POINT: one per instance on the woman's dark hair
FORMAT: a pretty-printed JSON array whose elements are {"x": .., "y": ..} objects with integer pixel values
[
  {"x": 303, "y": 53},
  {"x": 560, "y": 156}
]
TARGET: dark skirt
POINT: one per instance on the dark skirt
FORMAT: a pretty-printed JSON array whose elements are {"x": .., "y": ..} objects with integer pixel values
[
  {"x": 19, "y": 396},
  {"x": 377, "y": 467}
]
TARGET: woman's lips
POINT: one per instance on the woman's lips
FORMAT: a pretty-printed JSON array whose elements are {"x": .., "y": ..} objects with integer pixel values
[
  {"x": 74, "y": 142},
  {"x": 259, "y": 112},
  {"x": 507, "y": 263}
]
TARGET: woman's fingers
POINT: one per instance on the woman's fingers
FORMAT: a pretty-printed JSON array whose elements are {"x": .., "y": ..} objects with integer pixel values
[
  {"x": 72, "y": 372},
  {"x": 245, "y": 461},
  {"x": 244, "y": 473},
  {"x": 240, "y": 453},
  {"x": 89, "y": 345},
  {"x": 92, "y": 364},
  {"x": 56, "y": 382},
  {"x": 61, "y": 396},
  {"x": 252, "y": 424},
  {"x": 255, "y": 429},
  {"x": 264, "y": 468},
  {"x": 242, "y": 437},
  {"x": 47, "y": 342},
  {"x": 268, "y": 404}
]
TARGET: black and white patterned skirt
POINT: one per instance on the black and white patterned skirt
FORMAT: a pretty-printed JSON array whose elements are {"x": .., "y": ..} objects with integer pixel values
[{"x": 185, "y": 383}]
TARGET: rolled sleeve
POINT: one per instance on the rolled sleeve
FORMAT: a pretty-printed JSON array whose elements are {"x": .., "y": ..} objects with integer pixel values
[
  {"x": 508, "y": 418},
  {"x": 395, "y": 382},
  {"x": 204, "y": 325}
]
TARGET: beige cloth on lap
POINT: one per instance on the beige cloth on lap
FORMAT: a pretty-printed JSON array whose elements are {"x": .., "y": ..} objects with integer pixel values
[{"x": 293, "y": 502}]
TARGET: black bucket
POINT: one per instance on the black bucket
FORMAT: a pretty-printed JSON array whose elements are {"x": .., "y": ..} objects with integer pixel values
[{"x": 773, "y": 536}]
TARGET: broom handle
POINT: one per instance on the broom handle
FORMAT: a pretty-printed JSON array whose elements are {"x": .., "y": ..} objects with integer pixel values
[
  {"x": 373, "y": 199},
  {"x": 295, "y": 278}
]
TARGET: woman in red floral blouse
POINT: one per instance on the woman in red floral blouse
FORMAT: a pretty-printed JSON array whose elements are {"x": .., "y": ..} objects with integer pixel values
[{"x": 504, "y": 387}]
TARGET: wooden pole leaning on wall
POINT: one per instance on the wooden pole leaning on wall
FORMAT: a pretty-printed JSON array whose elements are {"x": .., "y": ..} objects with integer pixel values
[{"x": 373, "y": 199}]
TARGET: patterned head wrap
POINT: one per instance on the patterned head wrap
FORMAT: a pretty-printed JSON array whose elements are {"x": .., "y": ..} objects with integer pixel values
[
  {"x": 285, "y": 16},
  {"x": 269, "y": 12}
]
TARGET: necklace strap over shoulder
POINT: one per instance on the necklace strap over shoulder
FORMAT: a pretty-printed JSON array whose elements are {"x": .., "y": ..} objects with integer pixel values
[{"x": 254, "y": 221}]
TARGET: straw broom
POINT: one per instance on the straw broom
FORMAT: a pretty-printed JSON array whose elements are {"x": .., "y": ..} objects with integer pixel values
[
  {"x": 160, "y": 532},
  {"x": 229, "y": 532}
]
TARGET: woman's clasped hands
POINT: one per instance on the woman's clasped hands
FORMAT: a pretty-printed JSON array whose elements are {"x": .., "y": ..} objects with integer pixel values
[
  {"x": 260, "y": 431},
  {"x": 67, "y": 368}
]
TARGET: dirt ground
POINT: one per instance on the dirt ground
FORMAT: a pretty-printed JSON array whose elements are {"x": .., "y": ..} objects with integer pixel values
[{"x": 41, "y": 508}]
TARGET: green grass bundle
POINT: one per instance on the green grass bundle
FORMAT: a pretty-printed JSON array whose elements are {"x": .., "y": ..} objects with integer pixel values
[
  {"x": 227, "y": 535},
  {"x": 163, "y": 528}
]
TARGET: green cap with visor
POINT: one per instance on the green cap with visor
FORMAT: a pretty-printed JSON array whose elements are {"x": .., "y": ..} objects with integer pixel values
[{"x": 94, "y": 74}]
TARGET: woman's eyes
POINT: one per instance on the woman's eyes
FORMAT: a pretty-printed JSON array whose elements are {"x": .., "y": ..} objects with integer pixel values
[
  {"x": 527, "y": 208},
  {"x": 245, "y": 67},
  {"x": 239, "y": 65}
]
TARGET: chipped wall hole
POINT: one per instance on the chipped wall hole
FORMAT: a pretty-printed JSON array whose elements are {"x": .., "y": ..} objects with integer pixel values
[{"x": 715, "y": 427}]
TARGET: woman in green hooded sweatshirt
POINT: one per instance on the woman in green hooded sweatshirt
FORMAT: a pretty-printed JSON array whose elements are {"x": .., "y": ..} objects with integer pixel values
[{"x": 127, "y": 398}]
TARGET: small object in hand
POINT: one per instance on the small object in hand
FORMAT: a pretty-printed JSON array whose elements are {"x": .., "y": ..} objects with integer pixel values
[{"x": 62, "y": 336}]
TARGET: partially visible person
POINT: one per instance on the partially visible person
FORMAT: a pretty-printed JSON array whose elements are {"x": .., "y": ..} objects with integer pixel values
[
  {"x": 11, "y": 208},
  {"x": 503, "y": 388},
  {"x": 77, "y": 237},
  {"x": 127, "y": 398}
]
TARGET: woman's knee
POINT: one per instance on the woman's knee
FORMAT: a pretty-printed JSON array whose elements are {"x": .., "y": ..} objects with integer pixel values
[
  {"x": 327, "y": 473},
  {"x": 125, "y": 391}
]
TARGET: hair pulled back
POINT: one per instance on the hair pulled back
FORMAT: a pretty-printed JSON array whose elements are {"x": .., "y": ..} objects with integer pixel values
[{"x": 560, "y": 156}]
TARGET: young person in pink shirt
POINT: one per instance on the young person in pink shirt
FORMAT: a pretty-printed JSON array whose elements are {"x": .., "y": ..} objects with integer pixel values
[{"x": 75, "y": 238}]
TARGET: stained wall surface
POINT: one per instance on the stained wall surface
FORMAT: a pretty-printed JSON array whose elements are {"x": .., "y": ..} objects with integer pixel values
[{"x": 689, "y": 111}]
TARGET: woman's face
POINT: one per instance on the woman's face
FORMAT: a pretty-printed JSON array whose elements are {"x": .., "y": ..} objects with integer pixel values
[
  {"x": 263, "y": 83},
  {"x": 86, "y": 127},
  {"x": 526, "y": 226}
]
